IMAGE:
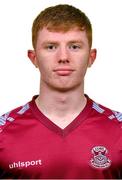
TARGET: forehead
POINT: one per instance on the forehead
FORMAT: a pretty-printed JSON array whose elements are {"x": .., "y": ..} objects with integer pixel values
[{"x": 70, "y": 35}]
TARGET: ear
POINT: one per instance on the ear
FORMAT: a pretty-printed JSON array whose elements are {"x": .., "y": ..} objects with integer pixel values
[
  {"x": 32, "y": 57},
  {"x": 92, "y": 57}
]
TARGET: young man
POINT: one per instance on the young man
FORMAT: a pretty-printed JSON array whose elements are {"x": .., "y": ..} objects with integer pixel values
[{"x": 61, "y": 133}]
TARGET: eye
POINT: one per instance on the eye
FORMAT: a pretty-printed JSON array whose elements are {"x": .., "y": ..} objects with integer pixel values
[
  {"x": 74, "y": 47},
  {"x": 51, "y": 47}
]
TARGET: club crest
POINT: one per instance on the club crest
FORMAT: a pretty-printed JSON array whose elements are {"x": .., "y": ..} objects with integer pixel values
[{"x": 100, "y": 159}]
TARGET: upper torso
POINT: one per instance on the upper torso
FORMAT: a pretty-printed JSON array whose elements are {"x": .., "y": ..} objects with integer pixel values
[{"x": 31, "y": 146}]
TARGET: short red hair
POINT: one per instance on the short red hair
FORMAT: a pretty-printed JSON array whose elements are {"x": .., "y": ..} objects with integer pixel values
[{"x": 61, "y": 17}]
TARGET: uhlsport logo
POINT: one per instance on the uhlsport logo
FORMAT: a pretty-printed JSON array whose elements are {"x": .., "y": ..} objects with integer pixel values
[
  {"x": 25, "y": 164},
  {"x": 100, "y": 159}
]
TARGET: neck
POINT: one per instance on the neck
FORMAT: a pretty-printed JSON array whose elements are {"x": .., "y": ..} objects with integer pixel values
[{"x": 60, "y": 104}]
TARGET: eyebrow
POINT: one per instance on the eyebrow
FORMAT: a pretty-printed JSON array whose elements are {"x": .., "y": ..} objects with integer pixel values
[
  {"x": 49, "y": 42},
  {"x": 56, "y": 42},
  {"x": 76, "y": 41}
]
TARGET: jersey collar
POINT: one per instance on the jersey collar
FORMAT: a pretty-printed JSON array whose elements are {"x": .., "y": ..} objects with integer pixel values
[{"x": 55, "y": 128}]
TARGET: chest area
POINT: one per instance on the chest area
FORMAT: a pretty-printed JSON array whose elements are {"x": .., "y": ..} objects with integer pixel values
[{"x": 43, "y": 153}]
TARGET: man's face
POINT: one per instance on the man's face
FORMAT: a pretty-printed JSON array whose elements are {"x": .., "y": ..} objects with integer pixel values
[{"x": 62, "y": 58}]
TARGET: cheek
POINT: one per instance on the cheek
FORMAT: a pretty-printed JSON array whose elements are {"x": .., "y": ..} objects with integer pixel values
[
  {"x": 82, "y": 62},
  {"x": 82, "y": 65},
  {"x": 45, "y": 69},
  {"x": 43, "y": 63}
]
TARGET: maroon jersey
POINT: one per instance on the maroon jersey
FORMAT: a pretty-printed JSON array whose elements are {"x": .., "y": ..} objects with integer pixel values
[{"x": 33, "y": 147}]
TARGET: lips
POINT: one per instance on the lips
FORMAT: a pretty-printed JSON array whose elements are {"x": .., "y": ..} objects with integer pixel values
[{"x": 63, "y": 71}]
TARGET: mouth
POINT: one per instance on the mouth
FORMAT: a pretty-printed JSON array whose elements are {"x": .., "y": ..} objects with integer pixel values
[{"x": 63, "y": 71}]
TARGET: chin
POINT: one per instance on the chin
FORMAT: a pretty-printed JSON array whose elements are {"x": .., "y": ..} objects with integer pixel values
[{"x": 65, "y": 88}]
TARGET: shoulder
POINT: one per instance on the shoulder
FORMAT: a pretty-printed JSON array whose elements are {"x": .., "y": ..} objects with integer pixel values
[
  {"x": 12, "y": 115},
  {"x": 107, "y": 112}
]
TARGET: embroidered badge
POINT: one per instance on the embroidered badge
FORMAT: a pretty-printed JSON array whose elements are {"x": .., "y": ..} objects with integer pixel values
[{"x": 100, "y": 159}]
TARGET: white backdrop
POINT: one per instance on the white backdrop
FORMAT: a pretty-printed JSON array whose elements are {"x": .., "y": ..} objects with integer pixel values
[{"x": 19, "y": 80}]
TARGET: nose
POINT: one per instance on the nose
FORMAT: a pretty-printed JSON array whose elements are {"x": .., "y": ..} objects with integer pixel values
[
  {"x": 65, "y": 61},
  {"x": 63, "y": 56}
]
